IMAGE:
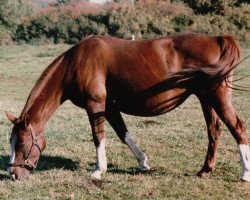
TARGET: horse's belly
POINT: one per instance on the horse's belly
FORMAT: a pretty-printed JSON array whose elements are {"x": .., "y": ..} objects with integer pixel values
[{"x": 153, "y": 105}]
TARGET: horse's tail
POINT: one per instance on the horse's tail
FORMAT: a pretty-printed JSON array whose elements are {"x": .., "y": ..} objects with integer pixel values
[
  {"x": 211, "y": 76},
  {"x": 229, "y": 59},
  {"x": 230, "y": 55}
]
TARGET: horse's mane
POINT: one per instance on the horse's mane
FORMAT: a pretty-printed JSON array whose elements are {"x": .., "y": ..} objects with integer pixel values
[{"x": 42, "y": 82}]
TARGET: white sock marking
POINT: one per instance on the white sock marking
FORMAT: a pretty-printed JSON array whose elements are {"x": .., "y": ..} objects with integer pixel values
[
  {"x": 245, "y": 161},
  {"x": 140, "y": 156},
  {"x": 101, "y": 165}
]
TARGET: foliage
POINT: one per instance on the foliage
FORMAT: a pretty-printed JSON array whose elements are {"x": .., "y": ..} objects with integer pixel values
[
  {"x": 63, "y": 1},
  {"x": 71, "y": 20},
  {"x": 12, "y": 13},
  {"x": 210, "y": 6},
  {"x": 4, "y": 33}
]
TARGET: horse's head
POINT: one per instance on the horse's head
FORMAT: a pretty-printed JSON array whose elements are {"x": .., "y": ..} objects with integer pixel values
[{"x": 26, "y": 147}]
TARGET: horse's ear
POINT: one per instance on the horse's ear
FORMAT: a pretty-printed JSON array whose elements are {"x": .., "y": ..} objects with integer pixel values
[
  {"x": 11, "y": 117},
  {"x": 26, "y": 120}
]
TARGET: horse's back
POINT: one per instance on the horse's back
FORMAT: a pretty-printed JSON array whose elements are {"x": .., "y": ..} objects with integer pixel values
[
  {"x": 153, "y": 54},
  {"x": 155, "y": 58}
]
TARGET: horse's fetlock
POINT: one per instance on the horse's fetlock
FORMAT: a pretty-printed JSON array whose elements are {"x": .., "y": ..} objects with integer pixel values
[
  {"x": 143, "y": 166},
  {"x": 206, "y": 171},
  {"x": 103, "y": 169},
  {"x": 97, "y": 174},
  {"x": 210, "y": 167}
]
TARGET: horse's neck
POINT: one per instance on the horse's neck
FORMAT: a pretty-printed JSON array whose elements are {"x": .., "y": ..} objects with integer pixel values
[{"x": 46, "y": 96}]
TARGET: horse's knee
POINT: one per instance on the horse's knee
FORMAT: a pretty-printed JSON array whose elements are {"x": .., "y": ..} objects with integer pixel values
[{"x": 97, "y": 93}]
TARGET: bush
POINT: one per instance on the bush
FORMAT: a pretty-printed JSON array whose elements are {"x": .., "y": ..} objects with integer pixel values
[
  {"x": 210, "y": 6},
  {"x": 70, "y": 23},
  {"x": 12, "y": 13}
]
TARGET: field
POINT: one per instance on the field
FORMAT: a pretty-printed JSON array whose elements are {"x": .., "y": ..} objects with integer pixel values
[{"x": 175, "y": 143}]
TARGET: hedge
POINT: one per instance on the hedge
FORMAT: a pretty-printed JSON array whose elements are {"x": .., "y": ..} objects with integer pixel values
[{"x": 146, "y": 19}]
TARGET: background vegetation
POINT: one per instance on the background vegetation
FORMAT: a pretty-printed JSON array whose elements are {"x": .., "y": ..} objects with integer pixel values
[{"x": 67, "y": 21}]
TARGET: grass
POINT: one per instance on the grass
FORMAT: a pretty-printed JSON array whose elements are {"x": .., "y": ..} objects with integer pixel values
[{"x": 175, "y": 143}]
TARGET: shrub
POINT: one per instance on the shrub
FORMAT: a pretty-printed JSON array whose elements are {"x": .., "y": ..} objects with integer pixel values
[
  {"x": 146, "y": 19},
  {"x": 181, "y": 22},
  {"x": 209, "y": 6},
  {"x": 12, "y": 13}
]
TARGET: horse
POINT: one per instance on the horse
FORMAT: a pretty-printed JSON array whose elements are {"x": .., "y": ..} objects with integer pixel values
[{"x": 108, "y": 76}]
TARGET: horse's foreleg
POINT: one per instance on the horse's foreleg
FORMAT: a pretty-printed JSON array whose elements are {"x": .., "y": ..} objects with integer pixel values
[
  {"x": 96, "y": 113},
  {"x": 237, "y": 128},
  {"x": 116, "y": 121},
  {"x": 214, "y": 131}
]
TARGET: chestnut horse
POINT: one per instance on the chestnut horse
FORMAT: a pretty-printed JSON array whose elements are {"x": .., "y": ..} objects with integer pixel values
[{"x": 107, "y": 75}]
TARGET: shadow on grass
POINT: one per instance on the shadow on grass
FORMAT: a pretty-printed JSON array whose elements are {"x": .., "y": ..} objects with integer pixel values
[
  {"x": 56, "y": 162},
  {"x": 4, "y": 177},
  {"x": 112, "y": 169},
  {"x": 46, "y": 162},
  {"x": 131, "y": 171}
]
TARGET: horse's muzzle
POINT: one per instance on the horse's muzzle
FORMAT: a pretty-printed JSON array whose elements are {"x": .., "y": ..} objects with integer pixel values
[{"x": 18, "y": 173}]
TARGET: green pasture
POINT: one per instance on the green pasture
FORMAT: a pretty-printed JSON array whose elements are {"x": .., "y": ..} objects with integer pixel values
[{"x": 175, "y": 143}]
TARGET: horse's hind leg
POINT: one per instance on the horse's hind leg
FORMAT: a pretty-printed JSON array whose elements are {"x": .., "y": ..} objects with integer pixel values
[
  {"x": 214, "y": 131},
  {"x": 223, "y": 106},
  {"x": 116, "y": 121}
]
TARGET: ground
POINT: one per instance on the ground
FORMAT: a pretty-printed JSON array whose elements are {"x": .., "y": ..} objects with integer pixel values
[{"x": 175, "y": 143}]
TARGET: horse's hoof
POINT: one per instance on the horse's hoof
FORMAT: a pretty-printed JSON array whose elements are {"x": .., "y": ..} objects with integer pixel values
[
  {"x": 245, "y": 176},
  {"x": 204, "y": 175},
  {"x": 96, "y": 175},
  {"x": 143, "y": 169},
  {"x": 245, "y": 181}
]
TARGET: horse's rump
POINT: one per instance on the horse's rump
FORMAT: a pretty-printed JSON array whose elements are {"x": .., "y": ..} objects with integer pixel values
[{"x": 209, "y": 76}]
